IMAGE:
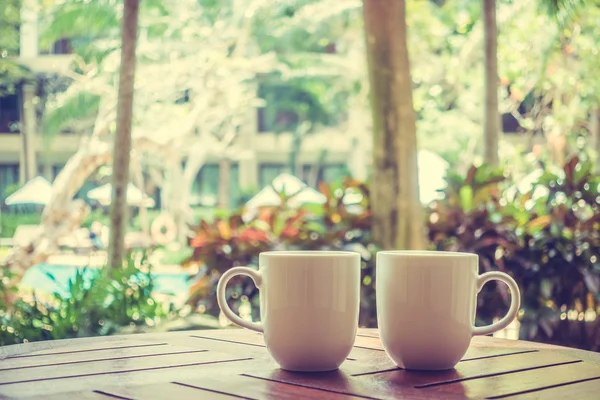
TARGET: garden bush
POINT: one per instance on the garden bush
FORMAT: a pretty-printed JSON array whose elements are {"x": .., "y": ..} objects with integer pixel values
[
  {"x": 548, "y": 239},
  {"x": 233, "y": 241},
  {"x": 99, "y": 302},
  {"x": 9, "y": 222}
]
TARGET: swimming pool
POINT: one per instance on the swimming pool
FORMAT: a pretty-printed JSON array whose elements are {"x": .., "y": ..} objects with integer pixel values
[{"x": 37, "y": 278}]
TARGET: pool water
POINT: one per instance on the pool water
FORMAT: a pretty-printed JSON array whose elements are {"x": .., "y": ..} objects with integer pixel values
[{"x": 37, "y": 278}]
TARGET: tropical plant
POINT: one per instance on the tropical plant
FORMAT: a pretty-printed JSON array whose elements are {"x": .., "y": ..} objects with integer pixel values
[
  {"x": 236, "y": 241},
  {"x": 95, "y": 304},
  {"x": 491, "y": 118},
  {"x": 546, "y": 238},
  {"x": 11, "y": 73},
  {"x": 122, "y": 142}
]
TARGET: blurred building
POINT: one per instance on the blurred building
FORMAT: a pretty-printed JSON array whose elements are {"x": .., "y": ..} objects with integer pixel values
[
  {"x": 23, "y": 153},
  {"x": 267, "y": 145},
  {"x": 261, "y": 151}
]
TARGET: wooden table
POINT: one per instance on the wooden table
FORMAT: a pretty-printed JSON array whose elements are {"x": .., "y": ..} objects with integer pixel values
[{"x": 234, "y": 364}]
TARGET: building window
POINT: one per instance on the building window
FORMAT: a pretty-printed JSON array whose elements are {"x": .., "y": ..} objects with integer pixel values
[
  {"x": 9, "y": 175},
  {"x": 61, "y": 46},
  {"x": 56, "y": 170},
  {"x": 9, "y": 114},
  {"x": 205, "y": 191},
  {"x": 333, "y": 173},
  {"x": 268, "y": 172},
  {"x": 287, "y": 105},
  {"x": 311, "y": 174}
]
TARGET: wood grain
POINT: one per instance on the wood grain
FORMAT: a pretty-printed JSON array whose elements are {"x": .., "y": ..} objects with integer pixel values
[
  {"x": 235, "y": 363},
  {"x": 129, "y": 379},
  {"x": 342, "y": 383},
  {"x": 246, "y": 386},
  {"x": 87, "y": 357},
  {"x": 525, "y": 381},
  {"x": 166, "y": 390},
  {"x": 112, "y": 366},
  {"x": 82, "y": 395},
  {"x": 575, "y": 390}
]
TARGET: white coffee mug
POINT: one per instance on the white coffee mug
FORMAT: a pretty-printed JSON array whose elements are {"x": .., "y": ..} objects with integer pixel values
[
  {"x": 309, "y": 303},
  {"x": 426, "y": 304}
]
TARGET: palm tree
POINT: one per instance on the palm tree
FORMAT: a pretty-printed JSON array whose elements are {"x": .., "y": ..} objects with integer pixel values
[
  {"x": 562, "y": 10},
  {"x": 491, "y": 120},
  {"x": 397, "y": 213},
  {"x": 122, "y": 143}
]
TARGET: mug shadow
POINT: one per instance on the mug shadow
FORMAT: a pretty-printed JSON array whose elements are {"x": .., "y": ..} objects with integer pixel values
[
  {"x": 397, "y": 383},
  {"x": 333, "y": 381}
]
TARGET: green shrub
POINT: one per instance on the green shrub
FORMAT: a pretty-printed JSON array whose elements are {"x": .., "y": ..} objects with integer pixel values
[
  {"x": 9, "y": 222},
  {"x": 548, "y": 239},
  {"x": 228, "y": 242},
  {"x": 99, "y": 302}
]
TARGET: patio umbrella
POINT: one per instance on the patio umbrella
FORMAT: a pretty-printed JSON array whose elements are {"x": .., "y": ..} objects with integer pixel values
[
  {"x": 135, "y": 196},
  {"x": 289, "y": 185},
  {"x": 35, "y": 191}
]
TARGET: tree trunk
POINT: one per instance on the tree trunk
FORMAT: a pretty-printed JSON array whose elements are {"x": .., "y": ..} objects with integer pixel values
[
  {"x": 397, "y": 214},
  {"x": 595, "y": 135},
  {"x": 28, "y": 134},
  {"x": 491, "y": 118},
  {"x": 122, "y": 145}
]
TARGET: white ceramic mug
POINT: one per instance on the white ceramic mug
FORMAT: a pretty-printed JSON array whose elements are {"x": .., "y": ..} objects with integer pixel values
[
  {"x": 309, "y": 303},
  {"x": 426, "y": 304}
]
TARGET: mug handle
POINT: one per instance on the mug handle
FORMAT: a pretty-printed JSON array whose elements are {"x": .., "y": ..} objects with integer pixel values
[
  {"x": 222, "y": 300},
  {"x": 515, "y": 301}
]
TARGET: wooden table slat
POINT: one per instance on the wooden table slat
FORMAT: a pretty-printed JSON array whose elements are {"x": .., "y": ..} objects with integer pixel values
[
  {"x": 512, "y": 384},
  {"x": 166, "y": 390},
  {"x": 82, "y": 358},
  {"x": 136, "y": 378},
  {"x": 338, "y": 382},
  {"x": 246, "y": 386},
  {"x": 364, "y": 342},
  {"x": 575, "y": 390},
  {"x": 81, "y": 395},
  {"x": 235, "y": 363},
  {"x": 70, "y": 371}
]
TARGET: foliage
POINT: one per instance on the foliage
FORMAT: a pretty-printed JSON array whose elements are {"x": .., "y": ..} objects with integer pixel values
[
  {"x": 11, "y": 73},
  {"x": 99, "y": 302},
  {"x": 9, "y": 222},
  {"x": 547, "y": 239},
  {"x": 238, "y": 239}
]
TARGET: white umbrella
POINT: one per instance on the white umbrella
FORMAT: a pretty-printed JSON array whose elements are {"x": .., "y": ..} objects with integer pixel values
[
  {"x": 35, "y": 191},
  {"x": 135, "y": 196},
  {"x": 289, "y": 185}
]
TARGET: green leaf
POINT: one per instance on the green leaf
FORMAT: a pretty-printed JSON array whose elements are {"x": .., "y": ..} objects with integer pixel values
[
  {"x": 466, "y": 198},
  {"x": 95, "y": 19},
  {"x": 75, "y": 107}
]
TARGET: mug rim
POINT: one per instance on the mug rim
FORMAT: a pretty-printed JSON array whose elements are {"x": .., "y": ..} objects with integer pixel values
[
  {"x": 426, "y": 253},
  {"x": 309, "y": 253}
]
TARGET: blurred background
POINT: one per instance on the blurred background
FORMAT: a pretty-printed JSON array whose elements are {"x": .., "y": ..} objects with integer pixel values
[{"x": 258, "y": 125}]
